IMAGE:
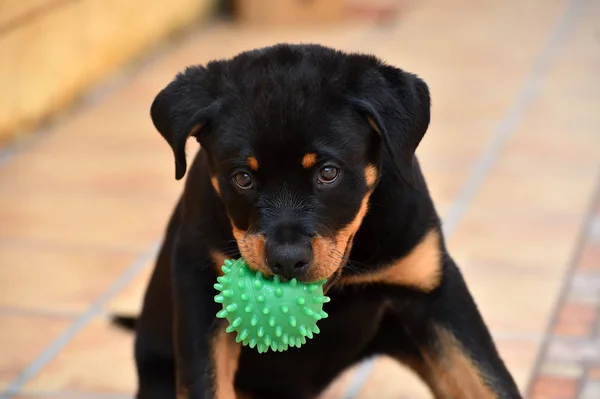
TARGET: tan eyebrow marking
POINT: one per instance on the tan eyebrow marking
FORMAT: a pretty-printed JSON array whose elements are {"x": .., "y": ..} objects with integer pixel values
[
  {"x": 309, "y": 160},
  {"x": 252, "y": 163}
]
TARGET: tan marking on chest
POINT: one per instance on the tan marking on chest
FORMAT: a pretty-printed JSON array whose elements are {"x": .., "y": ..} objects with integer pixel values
[
  {"x": 218, "y": 258},
  {"x": 226, "y": 354},
  {"x": 421, "y": 268}
]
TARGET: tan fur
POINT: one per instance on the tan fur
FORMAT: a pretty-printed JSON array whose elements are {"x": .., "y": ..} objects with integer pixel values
[
  {"x": 195, "y": 130},
  {"x": 373, "y": 125},
  {"x": 371, "y": 175},
  {"x": 215, "y": 183},
  {"x": 421, "y": 268},
  {"x": 226, "y": 353},
  {"x": 309, "y": 160},
  {"x": 218, "y": 258},
  {"x": 452, "y": 374},
  {"x": 252, "y": 163},
  {"x": 252, "y": 248},
  {"x": 330, "y": 254}
]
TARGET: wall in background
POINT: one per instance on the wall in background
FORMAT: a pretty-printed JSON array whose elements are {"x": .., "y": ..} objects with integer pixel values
[{"x": 51, "y": 51}]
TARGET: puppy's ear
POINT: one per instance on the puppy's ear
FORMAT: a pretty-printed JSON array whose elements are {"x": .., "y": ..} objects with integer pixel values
[
  {"x": 182, "y": 109},
  {"x": 397, "y": 105}
]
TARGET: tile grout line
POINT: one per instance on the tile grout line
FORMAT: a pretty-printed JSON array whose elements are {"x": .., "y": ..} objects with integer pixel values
[
  {"x": 561, "y": 297},
  {"x": 502, "y": 133},
  {"x": 582, "y": 382},
  {"x": 83, "y": 320}
]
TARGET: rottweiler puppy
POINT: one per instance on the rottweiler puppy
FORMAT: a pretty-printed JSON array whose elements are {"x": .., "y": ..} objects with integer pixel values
[{"x": 307, "y": 169}]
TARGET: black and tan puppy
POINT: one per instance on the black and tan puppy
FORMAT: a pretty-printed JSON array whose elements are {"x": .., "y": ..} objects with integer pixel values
[{"x": 307, "y": 170}]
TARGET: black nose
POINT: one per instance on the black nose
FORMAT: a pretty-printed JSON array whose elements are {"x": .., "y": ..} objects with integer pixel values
[{"x": 289, "y": 260}]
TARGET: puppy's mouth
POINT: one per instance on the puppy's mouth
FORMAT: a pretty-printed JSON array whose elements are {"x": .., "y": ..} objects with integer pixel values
[
  {"x": 331, "y": 281},
  {"x": 326, "y": 264},
  {"x": 337, "y": 275}
]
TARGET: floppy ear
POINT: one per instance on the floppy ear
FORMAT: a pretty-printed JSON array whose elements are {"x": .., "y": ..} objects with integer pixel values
[
  {"x": 183, "y": 109},
  {"x": 397, "y": 105}
]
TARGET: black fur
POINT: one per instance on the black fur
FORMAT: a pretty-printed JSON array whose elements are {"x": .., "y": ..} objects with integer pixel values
[{"x": 277, "y": 104}]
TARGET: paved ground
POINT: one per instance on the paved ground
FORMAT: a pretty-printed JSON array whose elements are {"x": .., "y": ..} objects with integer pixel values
[{"x": 512, "y": 158}]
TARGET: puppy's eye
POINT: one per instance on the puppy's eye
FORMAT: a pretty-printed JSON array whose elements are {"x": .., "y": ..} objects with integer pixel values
[
  {"x": 328, "y": 174},
  {"x": 243, "y": 180}
]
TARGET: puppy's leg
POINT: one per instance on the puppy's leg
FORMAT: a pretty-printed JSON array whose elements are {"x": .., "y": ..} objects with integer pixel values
[
  {"x": 154, "y": 355},
  {"x": 206, "y": 357},
  {"x": 443, "y": 338}
]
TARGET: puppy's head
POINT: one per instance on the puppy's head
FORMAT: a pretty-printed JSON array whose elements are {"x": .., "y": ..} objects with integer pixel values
[{"x": 297, "y": 137}]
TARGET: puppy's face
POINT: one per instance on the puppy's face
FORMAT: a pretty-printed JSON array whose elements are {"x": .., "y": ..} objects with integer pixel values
[
  {"x": 295, "y": 147},
  {"x": 295, "y": 180}
]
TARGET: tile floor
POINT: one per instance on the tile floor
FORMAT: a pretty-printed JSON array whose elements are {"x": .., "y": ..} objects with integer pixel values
[{"x": 512, "y": 158}]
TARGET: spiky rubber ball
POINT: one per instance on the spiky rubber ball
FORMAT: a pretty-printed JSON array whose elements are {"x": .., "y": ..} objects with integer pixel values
[{"x": 268, "y": 313}]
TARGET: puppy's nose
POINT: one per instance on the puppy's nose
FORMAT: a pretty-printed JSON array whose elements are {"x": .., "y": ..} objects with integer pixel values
[{"x": 289, "y": 260}]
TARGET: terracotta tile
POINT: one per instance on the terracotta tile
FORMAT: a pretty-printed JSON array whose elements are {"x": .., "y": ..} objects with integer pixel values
[
  {"x": 64, "y": 395},
  {"x": 449, "y": 135},
  {"x": 514, "y": 237},
  {"x": 145, "y": 176},
  {"x": 82, "y": 219},
  {"x": 594, "y": 373},
  {"x": 527, "y": 190},
  {"x": 389, "y": 380},
  {"x": 589, "y": 258},
  {"x": 23, "y": 338},
  {"x": 537, "y": 147},
  {"x": 99, "y": 359},
  {"x": 53, "y": 395},
  {"x": 129, "y": 301},
  {"x": 338, "y": 388},
  {"x": 444, "y": 185},
  {"x": 519, "y": 312},
  {"x": 581, "y": 118},
  {"x": 57, "y": 280},
  {"x": 546, "y": 387},
  {"x": 575, "y": 320},
  {"x": 99, "y": 151},
  {"x": 519, "y": 355}
]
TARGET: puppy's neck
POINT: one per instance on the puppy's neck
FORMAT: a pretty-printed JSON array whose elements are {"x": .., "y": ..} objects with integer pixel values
[{"x": 399, "y": 217}]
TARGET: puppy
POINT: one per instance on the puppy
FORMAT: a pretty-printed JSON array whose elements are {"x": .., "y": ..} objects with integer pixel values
[{"x": 307, "y": 170}]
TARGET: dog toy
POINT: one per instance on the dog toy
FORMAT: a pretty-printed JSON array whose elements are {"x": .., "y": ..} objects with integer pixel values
[{"x": 268, "y": 313}]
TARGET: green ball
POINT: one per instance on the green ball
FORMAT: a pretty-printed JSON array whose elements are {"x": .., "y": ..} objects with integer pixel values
[{"x": 268, "y": 313}]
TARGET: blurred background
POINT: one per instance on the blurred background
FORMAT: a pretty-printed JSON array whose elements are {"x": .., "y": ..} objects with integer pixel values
[{"x": 512, "y": 158}]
